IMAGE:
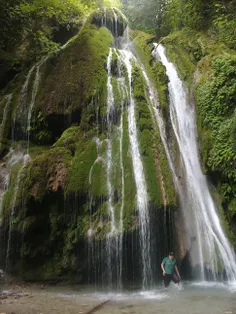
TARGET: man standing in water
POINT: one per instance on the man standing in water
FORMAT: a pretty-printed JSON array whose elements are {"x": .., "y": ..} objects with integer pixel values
[{"x": 170, "y": 270}]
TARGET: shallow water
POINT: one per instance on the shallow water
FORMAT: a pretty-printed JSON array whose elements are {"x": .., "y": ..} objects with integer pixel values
[{"x": 189, "y": 298}]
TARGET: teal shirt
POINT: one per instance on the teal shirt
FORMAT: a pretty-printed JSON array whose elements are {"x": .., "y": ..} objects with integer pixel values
[{"x": 169, "y": 265}]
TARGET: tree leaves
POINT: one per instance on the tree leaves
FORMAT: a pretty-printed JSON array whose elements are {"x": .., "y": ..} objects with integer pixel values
[{"x": 216, "y": 106}]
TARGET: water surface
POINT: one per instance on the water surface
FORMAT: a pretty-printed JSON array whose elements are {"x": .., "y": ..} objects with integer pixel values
[{"x": 189, "y": 298}]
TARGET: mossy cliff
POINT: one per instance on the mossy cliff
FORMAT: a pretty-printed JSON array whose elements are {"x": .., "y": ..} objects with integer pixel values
[
  {"x": 52, "y": 198},
  {"x": 57, "y": 202}
]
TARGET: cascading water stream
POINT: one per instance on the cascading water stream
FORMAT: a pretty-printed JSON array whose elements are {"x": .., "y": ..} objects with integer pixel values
[
  {"x": 4, "y": 118},
  {"x": 110, "y": 111},
  {"x": 141, "y": 186},
  {"x": 22, "y": 108},
  {"x": 26, "y": 160},
  {"x": 31, "y": 106},
  {"x": 34, "y": 95},
  {"x": 114, "y": 241},
  {"x": 12, "y": 158},
  {"x": 111, "y": 237},
  {"x": 116, "y": 23},
  {"x": 213, "y": 246},
  {"x": 123, "y": 93},
  {"x": 105, "y": 17}
]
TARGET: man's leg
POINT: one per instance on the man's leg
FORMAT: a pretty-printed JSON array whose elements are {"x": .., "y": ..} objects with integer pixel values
[
  {"x": 175, "y": 278},
  {"x": 167, "y": 280}
]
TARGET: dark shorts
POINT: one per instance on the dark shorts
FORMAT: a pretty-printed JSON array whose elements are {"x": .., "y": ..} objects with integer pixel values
[{"x": 168, "y": 278}]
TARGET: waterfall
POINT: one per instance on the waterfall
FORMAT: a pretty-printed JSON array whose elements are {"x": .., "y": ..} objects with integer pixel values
[
  {"x": 34, "y": 95},
  {"x": 212, "y": 249},
  {"x": 24, "y": 89},
  {"x": 33, "y": 98},
  {"x": 8, "y": 99},
  {"x": 121, "y": 14},
  {"x": 116, "y": 22},
  {"x": 123, "y": 94},
  {"x": 11, "y": 159},
  {"x": 26, "y": 160},
  {"x": 111, "y": 237},
  {"x": 21, "y": 110},
  {"x": 141, "y": 186},
  {"x": 110, "y": 111},
  {"x": 113, "y": 254},
  {"x": 105, "y": 17}
]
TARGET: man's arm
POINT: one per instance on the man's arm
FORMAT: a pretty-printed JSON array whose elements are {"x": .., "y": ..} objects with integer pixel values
[
  {"x": 177, "y": 271},
  {"x": 163, "y": 269}
]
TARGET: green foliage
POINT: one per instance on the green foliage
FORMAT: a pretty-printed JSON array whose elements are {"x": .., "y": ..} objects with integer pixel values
[
  {"x": 61, "y": 10},
  {"x": 216, "y": 109},
  {"x": 225, "y": 22},
  {"x": 12, "y": 23},
  {"x": 164, "y": 17}
]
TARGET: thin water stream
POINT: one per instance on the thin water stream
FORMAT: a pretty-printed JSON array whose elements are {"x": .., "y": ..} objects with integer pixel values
[
  {"x": 26, "y": 160},
  {"x": 7, "y": 99},
  {"x": 141, "y": 186}
]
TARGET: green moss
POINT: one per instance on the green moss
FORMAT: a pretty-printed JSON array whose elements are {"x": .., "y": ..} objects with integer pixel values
[
  {"x": 86, "y": 58},
  {"x": 156, "y": 71},
  {"x": 69, "y": 138},
  {"x": 151, "y": 148},
  {"x": 98, "y": 184},
  {"x": 80, "y": 169}
]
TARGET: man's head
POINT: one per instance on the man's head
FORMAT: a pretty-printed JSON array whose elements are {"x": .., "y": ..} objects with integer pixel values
[{"x": 171, "y": 256}]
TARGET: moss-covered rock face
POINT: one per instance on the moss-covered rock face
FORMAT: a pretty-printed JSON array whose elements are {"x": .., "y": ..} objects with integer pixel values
[
  {"x": 79, "y": 71},
  {"x": 85, "y": 58},
  {"x": 57, "y": 112},
  {"x": 60, "y": 102}
]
